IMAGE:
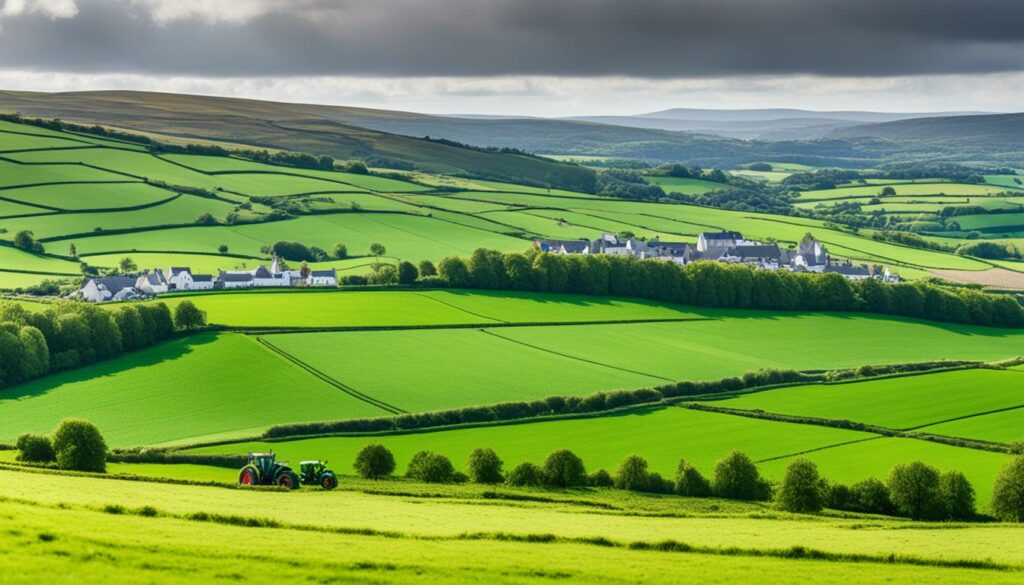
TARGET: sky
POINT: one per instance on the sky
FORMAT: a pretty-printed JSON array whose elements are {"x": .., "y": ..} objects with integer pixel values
[{"x": 530, "y": 57}]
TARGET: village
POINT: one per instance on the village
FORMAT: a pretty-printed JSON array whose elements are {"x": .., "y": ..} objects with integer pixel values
[
  {"x": 182, "y": 279},
  {"x": 730, "y": 247}
]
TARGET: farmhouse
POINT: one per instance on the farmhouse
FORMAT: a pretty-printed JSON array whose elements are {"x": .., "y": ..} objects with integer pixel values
[
  {"x": 322, "y": 278},
  {"x": 108, "y": 288},
  {"x": 152, "y": 283}
]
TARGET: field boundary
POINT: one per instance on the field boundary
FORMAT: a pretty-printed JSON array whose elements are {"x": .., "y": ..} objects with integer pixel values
[{"x": 252, "y": 330}]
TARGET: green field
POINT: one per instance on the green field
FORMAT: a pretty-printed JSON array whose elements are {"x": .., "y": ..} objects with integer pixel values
[
  {"x": 904, "y": 189},
  {"x": 685, "y": 186},
  {"x": 1002, "y": 427},
  {"x": 901, "y": 403},
  {"x": 422, "y": 537},
  {"x": 97, "y": 196},
  {"x": 999, "y": 221},
  {"x": 204, "y": 385}
]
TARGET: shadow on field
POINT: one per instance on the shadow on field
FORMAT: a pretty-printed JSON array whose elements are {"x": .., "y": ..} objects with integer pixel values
[{"x": 142, "y": 358}]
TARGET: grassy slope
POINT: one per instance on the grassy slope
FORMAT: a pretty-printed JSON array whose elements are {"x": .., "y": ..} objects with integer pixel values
[
  {"x": 905, "y": 189},
  {"x": 78, "y": 197},
  {"x": 423, "y": 543},
  {"x": 204, "y": 385},
  {"x": 686, "y": 186},
  {"x": 907, "y": 402}
]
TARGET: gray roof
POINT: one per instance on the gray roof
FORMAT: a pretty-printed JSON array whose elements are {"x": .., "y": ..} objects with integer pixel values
[
  {"x": 114, "y": 283},
  {"x": 575, "y": 246},
  {"x": 175, "y": 270},
  {"x": 755, "y": 251},
  {"x": 261, "y": 272},
  {"x": 235, "y": 276},
  {"x": 323, "y": 273},
  {"x": 202, "y": 277}
]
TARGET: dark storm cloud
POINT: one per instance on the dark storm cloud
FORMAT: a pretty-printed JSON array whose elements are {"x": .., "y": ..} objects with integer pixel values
[{"x": 647, "y": 38}]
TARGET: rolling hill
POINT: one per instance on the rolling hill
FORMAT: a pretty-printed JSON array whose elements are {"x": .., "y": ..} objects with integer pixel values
[{"x": 992, "y": 129}]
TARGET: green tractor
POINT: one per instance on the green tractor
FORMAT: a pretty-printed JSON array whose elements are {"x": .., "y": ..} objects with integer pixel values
[
  {"x": 316, "y": 473},
  {"x": 264, "y": 469}
]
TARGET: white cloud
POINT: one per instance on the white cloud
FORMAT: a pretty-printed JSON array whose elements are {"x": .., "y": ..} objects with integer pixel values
[
  {"x": 50, "y": 8},
  {"x": 212, "y": 11}
]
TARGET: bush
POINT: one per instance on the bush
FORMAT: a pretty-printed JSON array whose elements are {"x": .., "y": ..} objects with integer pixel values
[
  {"x": 430, "y": 467},
  {"x": 632, "y": 474},
  {"x": 563, "y": 468},
  {"x": 188, "y": 316},
  {"x": 79, "y": 446},
  {"x": 914, "y": 490},
  {"x": 377, "y": 249},
  {"x": 802, "y": 488},
  {"x": 600, "y": 479},
  {"x": 1008, "y": 494},
  {"x": 737, "y": 478},
  {"x": 485, "y": 466},
  {"x": 34, "y": 448},
  {"x": 690, "y": 482},
  {"x": 525, "y": 475},
  {"x": 340, "y": 251},
  {"x": 374, "y": 461},
  {"x": 353, "y": 280},
  {"x": 383, "y": 274},
  {"x": 407, "y": 273},
  {"x": 870, "y": 496},
  {"x": 957, "y": 496},
  {"x": 427, "y": 268}
]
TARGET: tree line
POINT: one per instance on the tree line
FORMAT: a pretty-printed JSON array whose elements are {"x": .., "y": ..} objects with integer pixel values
[
  {"x": 914, "y": 490},
  {"x": 721, "y": 285},
  {"x": 69, "y": 335}
]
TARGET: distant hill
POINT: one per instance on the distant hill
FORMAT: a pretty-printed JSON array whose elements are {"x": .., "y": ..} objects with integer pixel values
[
  {"x": 992, "y": 129},
  {"x": 301, "y": 127}
]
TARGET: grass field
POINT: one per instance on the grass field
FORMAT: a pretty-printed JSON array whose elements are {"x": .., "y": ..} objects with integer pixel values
[
  {"x": 902, "y": 403},
  {"x": 662, "y": 435},
  {"x": 1002, "y": 427},
  {"x": 422, "y": 537},
  {"x": 999, "y": 222},
  {"x": 904, "y": 189},
  {"x": 14, "y": 259},
  {"x": 205, "y": 385},
  {"x": 401, "y": 308},
  {"x": 97, "y": 196},
  {"x": 685, "y": 186}
]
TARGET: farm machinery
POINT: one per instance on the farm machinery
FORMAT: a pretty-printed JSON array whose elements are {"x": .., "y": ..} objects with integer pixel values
[{"x": 265, "y": 469}]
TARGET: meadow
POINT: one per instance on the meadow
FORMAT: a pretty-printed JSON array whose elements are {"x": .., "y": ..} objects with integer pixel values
[
  {"x": 686, "y": 186},
  {"x": 908, "y": 402},
  {"x": 904, "y": 189},
  {"x": 223, "y": 385},
  {"x": 425, "y": 539},
  {"x": 83, "y": 197}
]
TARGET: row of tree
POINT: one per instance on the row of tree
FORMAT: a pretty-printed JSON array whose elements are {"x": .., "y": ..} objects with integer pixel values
[
  {"x": 69, "y": 335},
  {"x": 717, "y": 284},
  {"x": 915, "y": 490}
]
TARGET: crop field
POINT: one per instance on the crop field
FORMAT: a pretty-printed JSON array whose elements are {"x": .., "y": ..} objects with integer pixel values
[
  {"x": 9, "y": 208},
  {"x": 12, "y": 174},
  {"x": 1000, "y": 427},
  {"x": 995, "y": 222},
  {"x": 995, "y": 277},
  {"x": 908, "y": 402},
  {"x": 400, "y": 308},
  {"x": 685, "y": 186},
  {"x": 905, "y": 189},
  {"x": 422, "y": 537},
  {"x": 14, "y": 259},
  {"x": 661, "y": 435},
  {"x": 95, "y": 196},
  {"x": 205, "y": 385}
]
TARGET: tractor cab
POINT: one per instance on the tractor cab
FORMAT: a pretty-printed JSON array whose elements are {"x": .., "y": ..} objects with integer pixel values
[{"x": 315, "y": 472}]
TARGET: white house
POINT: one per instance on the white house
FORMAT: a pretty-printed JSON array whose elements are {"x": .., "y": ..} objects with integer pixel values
[
  {"x": 322, "y": 278},
  {"x": 235, "y": 279},
  {"x": 152, "y": 283},
  {"x": 262, "y": 277},
  {"x": 723, "y": 239},
  {"x": 202, "y": 282},
  {"x": 811, "y": 256},
  {"x": 108, "y": 288},
  {"x": 180, "y": 277}
]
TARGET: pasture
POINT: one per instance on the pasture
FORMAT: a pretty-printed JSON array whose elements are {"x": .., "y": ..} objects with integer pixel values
[
  {"x": 907, "y": 402},
  {"x": 89, "y": 196},
  {"x": 423, "y": 539},
  {"x": 205, "y": 385},
  {"x": 1001, "y": 427},
  {"x": 686, "y": 186},
  {"x": 904, "y": 189}
]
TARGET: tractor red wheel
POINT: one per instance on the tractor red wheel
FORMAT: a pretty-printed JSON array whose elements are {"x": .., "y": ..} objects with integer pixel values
[
  {"x": 288, "y": 480},
  {"x": 248, "y": 477},
  {"x": 328, "y": 482}
]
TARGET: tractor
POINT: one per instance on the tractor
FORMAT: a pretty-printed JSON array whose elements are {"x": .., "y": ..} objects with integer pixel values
[
  {"x": 264, "y": 469},
  {"x": 316, "y": 473}
]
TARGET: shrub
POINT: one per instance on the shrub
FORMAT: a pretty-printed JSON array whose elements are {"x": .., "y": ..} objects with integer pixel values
[
  {"x": 188, "y": 316},
  {"x": 377, "y": 249},
  {"x": 563, "y": 468},
  {"x": 957, "y": 496},
  {"x": 736, "y": 477},
  {"x": 600, "y": 479},
  {"x": 223, "y": 248},
  {"x": 78, "y": 445},
  {"x": 485, "y": 466},
  {"x": 34, "y": 448},
  {"x": 374, "y": 461},
  {"x": 525, "y": 475},
  {"x": 690, "y": 482},
  {"x": 383, "y": 274},
  {"x": 206, "y": 219},
  {"x": 427, "y": 268},
  {"x": 353, "y": 280},
  {"x": 430, "y": 467},
  {"x": 340, "y": 251},
  {"x": 1008, "y": 494},
  {"x": 870, "y": 496},
  {"x": 407, "y": 273},
  {"x": 914, "y": 490},
  {"x": 802, "y": 489},
  {"x": 632, "y": 474}
]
